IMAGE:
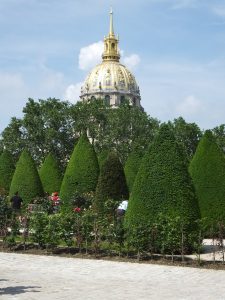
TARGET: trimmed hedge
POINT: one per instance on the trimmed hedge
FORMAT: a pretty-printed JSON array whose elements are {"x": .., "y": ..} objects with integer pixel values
[
  {"x": 207, "y": 170},
  {"x": 82, "y": 171},
  {"x": 26, "y": 179},
  {"x": 7, "y": 168},
  {"x": 132, "y": 166},
  {"x": 50, "y": 174},
  {"x": 111, "y": 183},
  {"x": 163, "y": 184},
  {"x": 102, "y": 157}
]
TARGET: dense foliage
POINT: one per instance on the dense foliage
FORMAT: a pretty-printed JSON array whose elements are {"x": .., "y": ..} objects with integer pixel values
[
  {"x": 163, "y": 185},
  {"x": 7, "y": 168},
  {"x": 207, "y": 169},
  {"x": 54, "y": 126},
  {"x": 26, "y": 179},
  {"x": 219, "y": 134},
  {"x": 132, "y": 166},
  {"x": 187, "y": 134},
  {"x": 111, "y": 183},
  {"x": 46, "y": 127},
  {"x": 82, "y": 172},
  {"x": 50, "y": 174}
]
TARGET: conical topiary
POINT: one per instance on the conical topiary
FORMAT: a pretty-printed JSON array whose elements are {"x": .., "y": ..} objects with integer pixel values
[
  {"x": 132, "y": 166},
  {"x": 82, "y": 171},
  {"x": 162, "y": 185},
  {"x": 7, "y": 168},
  {"x": 111, "y": 183},
  {"x": 26, "y": 179},
  {"x": 207, "y": 170},
  {"x": 102, "y": 157},
  {"x": 50, "y": 174}
]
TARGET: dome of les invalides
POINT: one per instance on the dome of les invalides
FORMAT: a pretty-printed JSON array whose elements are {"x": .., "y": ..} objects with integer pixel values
[{"x": 111, "y": 80}]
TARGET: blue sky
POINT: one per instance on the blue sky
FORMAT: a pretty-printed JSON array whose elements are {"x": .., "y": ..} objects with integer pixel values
[{"x": 175, "y": 48}]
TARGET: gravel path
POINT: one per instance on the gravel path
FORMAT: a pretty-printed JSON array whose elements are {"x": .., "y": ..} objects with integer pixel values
[{"x": 31, "y": 277}]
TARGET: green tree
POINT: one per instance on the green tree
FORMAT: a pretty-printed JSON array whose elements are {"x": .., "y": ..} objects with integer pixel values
[
  {"x": 187, "y": 134},
  {"x": 219, "y": 134},
  {"x": 13, "y": 138},
  {"x": 54, "y": 126},
  {"x": 207, "y": 170},
  {"x": 48, "y": 128},
  {"x": 127, "y": 127},
  {"x": 163, "y": 184},
  {"x": 50, "y": 174},
  {"x": 7, "y": 168},
  {"x": 111, "y": 182},
  {"x": 131, "y": 167},
  {"x": 82, "y": 171},
  {"x": 102, "y": 157},
  {"x": 26, "y": 179}
]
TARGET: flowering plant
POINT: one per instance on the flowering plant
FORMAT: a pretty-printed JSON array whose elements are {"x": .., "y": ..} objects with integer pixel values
[{"x": 77, "y": 209}]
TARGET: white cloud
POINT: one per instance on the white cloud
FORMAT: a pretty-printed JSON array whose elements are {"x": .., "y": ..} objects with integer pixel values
[
  {"x": 219, "y": 10},
  {"x": 131, "y": 61},
  {"x": 72, "y": 92},
  {"x": 90, "y": 55},
  {"x": 189, "y": 106}
]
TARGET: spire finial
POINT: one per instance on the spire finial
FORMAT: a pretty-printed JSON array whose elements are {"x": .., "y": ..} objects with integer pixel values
[
  {"x": 111, "y": 51},
  {"x": 111, "y": 30}
]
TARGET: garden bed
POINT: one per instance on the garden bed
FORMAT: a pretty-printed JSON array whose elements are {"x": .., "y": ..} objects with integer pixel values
[{"x": 131, "y": 257}]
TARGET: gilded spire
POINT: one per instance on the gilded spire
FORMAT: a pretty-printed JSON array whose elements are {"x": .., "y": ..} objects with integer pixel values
[
  {"x": 111, "y": 43},
  {"x": 111, "y": 30}
]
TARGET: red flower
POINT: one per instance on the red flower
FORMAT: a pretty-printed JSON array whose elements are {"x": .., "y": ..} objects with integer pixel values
[{"x": 77, "y": 209}]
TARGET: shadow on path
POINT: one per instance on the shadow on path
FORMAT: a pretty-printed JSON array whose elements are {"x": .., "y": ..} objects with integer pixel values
[{"x": 20, "y": 289}]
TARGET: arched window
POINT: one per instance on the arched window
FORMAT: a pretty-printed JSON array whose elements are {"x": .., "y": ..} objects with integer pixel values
[
  {"x": 113, "y": 45},
  {"x": 107, "y": 100},
  {"x": 122, "y": 99},
  {"x": 134, "y": 101}
]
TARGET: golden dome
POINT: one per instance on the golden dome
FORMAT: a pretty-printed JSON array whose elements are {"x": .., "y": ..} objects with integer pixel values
[
  {"x": 111, "y": 80},
  {"x": 110, "y": 76}
]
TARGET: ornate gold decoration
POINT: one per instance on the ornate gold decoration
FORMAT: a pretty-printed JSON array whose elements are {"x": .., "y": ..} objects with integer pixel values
[{"x": 111, "y": 78}]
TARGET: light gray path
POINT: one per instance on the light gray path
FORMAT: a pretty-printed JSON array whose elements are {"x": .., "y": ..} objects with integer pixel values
[{"x": 45, "y": 277}]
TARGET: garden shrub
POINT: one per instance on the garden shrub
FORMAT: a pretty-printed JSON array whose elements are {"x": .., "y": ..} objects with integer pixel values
[
  {"x": 26, "y": 179},
  {"x": 131, "y": 167},
  {"x": 163, "y": 184},
  {"x": 50, "y": 174},
  {"x": 7, "y": 168},
  {"x": 102, "y": 157},
  {"x": 38, "y": 226},
  {"x": 82, "y": 171},
  {"x": 111, "y": 183},
  {"x": 207, "y": 170}
]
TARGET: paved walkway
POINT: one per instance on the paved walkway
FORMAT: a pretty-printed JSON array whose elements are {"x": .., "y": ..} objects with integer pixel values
[{"x": 31, "y": 277}]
